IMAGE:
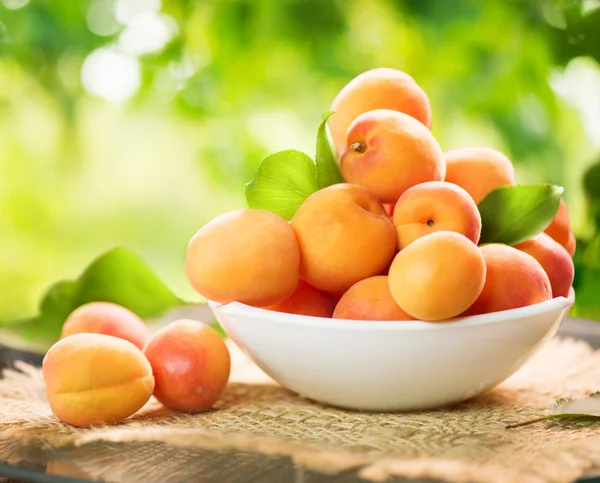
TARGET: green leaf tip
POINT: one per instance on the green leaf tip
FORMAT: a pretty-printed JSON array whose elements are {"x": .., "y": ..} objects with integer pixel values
[
  {"x": 512, "y": 214},
  {"x": 326, "y": 115}
]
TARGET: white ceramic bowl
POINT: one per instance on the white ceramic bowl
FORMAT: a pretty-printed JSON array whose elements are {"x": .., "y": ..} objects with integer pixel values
[{"x": 391, "y": 366}]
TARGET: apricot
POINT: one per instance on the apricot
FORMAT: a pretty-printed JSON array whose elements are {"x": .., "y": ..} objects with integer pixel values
[
  {"x": 108, "y": 319},
  {"x": 191, "y": 365},
  {"x": 248, "y": 256},
  {"x": 560, "y": 228},
  {"x": 479, "y": 170},
  {"x": 344, "y": 235},
  {"x": 437, "y": 276},
  {"x": 382, "y": 88},
  {"x": 435, "y": 206},
  {"x": 369, "y": 299},
  {"x": 388, "y": 151},
  {"x": 96, "y": 379},
  {"x": 554, "y": 259},
  {"x": 514, "y": 279},
  {"x": 571, "y": 245},
  {"x": 307, "y": 300}
]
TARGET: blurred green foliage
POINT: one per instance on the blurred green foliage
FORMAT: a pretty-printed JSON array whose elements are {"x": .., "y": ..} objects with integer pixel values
[{"x": 132, "y": 123}]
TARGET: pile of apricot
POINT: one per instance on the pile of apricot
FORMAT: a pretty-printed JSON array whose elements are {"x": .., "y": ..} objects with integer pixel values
[
  {"x": 106, "y": 366},
  {"x": 399, "y": 240}
]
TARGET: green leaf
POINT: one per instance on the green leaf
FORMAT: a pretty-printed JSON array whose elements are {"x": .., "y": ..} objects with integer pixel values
[
  {"x": 117, "y": 276},
  {"x": 283, "y": 181},
  {"x": 328, "y": 171},
  {"x": 586, "y": 408},
  {"x": 512, "y": 214},
  {"x": 122, "y": 277}
]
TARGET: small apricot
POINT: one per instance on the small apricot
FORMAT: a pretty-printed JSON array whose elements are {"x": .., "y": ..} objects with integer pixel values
[
  {"x": 514, "y": 279},
  {"x": 108, "y": 319},
  {"x": 248, "y": 256},
  {"x": 388, "y": 151},
  {"x": 479, "y": 170},
  {"x": 560, "y": 228},
  {"x": 434, "y": 206},
  {"x": 381, "y": 88},
  {"x": 191, "y": 365},
  {"x": 344, "y": 235},
  {"x": 554, "y": 259},
  {"x": 437, "y": 276},
  {"x": 369, "y": 299},
  {"x": 96, "y": 379},
  {"x": 307, "y": 300}
]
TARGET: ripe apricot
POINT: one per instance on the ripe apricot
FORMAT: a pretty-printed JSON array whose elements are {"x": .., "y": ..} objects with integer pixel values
[
  {"x": 571, "y": 245},
  {"x": 248, "y": 256},
  {"x": 514, "y": 279},
  {"x": 307, "y": 300},
  {"x": 191, "y": 365},
  {"x": 382, "y": 88},
  {"x": 437, "y": 276},
  {"x": 96, "y": 379},
  {"x": 560, "y": 228},
  {"x": 369, "y": 299},
  {"x": 479, "y": 170},
  {"x": 388, "y": 151},
  {"x": 554, "y": 259},
  {"x": 435, "y": 206},
  {"x": 108, "y": 319},
  {"x": 344, "y": 235}
]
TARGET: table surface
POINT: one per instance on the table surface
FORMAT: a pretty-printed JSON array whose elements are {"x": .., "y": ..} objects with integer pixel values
[{"x": 197, "y": 465}]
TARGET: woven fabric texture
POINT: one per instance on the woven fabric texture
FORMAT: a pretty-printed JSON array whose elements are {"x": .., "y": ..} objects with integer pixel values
[{"x": 465, "y": 442}]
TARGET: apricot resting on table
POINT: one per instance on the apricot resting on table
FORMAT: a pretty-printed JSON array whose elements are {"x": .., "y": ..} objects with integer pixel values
[
  {"x": 381, "y": 88},
  {"x": 437, "y": 276},
  {"x": 435, "y": 206},
  {"x": 387, "y": 152},
  {"x": 344, "y": 235},
  {"x": 108, "y": 319},
  {"x": 191, "y": 365},
  {"x": 96, "y": 379},
  {"x": 369, "y": 299},
  {"x": 554, "y": 259},
  {"x": 248, "y": 256},
  {"x": 514, "y": 279},
  {"x": 307, "y": 300},
  {"x": 478, "y": 170}
]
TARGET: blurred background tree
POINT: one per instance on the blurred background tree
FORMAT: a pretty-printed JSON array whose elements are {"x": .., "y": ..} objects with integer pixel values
[{"x": 133, "y": 122}]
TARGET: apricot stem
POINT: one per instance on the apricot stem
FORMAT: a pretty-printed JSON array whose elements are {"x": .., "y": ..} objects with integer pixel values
[
  {"x": 359, "y": 147},
  {"x": 430, "y": 223}
]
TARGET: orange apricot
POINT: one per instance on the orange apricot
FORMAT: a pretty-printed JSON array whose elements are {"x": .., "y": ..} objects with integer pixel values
[
  {"x": 514, "y": 279},
  {"x": 437, "y": 276},
  {"x": 369, "y": 299},
  {"x": 344, "y": 235},
  {"x": 554, "y": 259},
  {"x": 479, "y": 170},
  {"x": 388, "y": 151},
  {"x": 96, "y": 379},
  {"x": 381, "y": 88},
  {"x": 434, "y": 206},
  {"x": 307, "y": 300},
  {"x": 560, "y": 228},
  {"x": 108, "y": 319},
  {"x": 191, "y": 365},
  {"x": 248, "y": 256},
  {"x": 571, "y": 245}
]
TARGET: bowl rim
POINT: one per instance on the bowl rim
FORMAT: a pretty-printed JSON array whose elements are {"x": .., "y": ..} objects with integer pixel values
[{"x": 240, "y": 309}]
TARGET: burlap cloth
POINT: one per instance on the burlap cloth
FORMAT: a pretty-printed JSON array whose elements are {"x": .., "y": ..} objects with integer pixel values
[{"x": 466, "y": 442}]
